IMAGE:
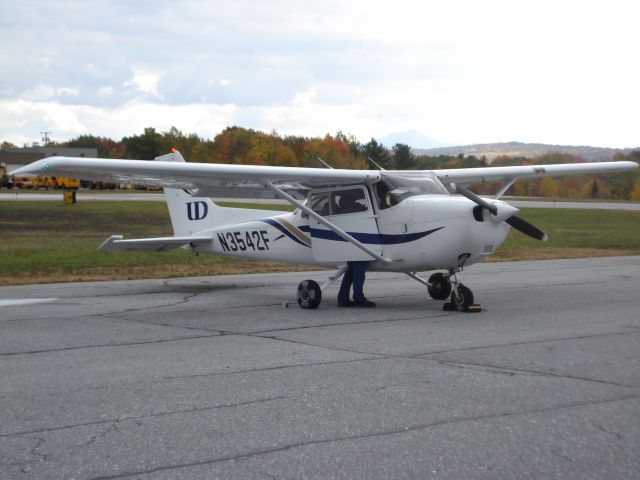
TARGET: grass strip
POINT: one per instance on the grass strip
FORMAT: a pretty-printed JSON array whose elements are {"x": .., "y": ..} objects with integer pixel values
[{"x": 44, "y": 242}]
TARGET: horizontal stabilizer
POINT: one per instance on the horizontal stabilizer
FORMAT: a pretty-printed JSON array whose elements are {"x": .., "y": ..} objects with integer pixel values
[{"x": 116, "y": 243}]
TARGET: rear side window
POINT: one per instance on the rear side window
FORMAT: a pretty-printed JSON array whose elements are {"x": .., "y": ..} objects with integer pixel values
[{"x": 321, "y": 203}]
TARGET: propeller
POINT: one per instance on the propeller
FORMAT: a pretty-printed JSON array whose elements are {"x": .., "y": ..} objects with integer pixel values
[{"x": 506, "y": 211}]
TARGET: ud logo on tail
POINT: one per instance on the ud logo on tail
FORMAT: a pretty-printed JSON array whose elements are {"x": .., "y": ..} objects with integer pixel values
[{"x": 197, "y": 210}]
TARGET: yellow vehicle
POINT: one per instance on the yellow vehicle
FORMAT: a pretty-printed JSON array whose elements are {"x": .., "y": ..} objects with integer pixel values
[
  {"x": 5, "y": 181},
  {"x": 27, "y": 182},
  {"x": 24, "y": 182},
  {"x": 67, "y": 183},
  {"x": 44, "y": 182}
]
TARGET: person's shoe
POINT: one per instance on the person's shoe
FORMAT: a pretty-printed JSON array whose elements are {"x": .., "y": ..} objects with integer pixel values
[
  {"x": 348, "y": 304},
  {"x": 365, "y": 304}
]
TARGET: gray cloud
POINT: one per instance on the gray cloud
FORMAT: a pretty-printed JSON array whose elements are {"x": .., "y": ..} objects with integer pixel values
[{"x": 456, "y": 70}]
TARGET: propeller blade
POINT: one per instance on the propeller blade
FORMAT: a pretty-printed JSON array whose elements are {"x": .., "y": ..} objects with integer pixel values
[
  {"x": 515, "y": 222},
  {"x": 526, "y": 228},
  {"x": 475, "y": 198}
]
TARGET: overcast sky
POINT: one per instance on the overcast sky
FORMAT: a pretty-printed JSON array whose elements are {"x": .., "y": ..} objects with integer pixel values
[{"x": 460, "y": 72}]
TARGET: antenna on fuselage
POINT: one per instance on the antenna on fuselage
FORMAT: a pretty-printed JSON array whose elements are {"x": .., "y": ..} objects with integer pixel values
[
  {"x": 324, "y": 163},
  {"x": 372, "y": 161}
]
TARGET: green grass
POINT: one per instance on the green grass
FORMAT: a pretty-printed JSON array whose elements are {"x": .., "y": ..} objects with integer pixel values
[
  {"x": 44, "y": 242},
  {"x": 48, "y": 242},
  {"x": 575, "y": 233}
]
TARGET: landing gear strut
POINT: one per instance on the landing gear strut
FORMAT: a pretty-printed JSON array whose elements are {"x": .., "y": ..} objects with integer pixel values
[{"x": 441, "y": 285}]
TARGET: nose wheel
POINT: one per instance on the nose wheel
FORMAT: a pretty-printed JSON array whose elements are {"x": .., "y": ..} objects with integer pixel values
[
  {"x": 442, "y": 285},
  {"x": 461, "y": 296},
  {"x": 463, "y": 299}
]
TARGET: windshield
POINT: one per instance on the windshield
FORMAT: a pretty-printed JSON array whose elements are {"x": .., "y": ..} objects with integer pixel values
[{"x": 395, "y": 187}]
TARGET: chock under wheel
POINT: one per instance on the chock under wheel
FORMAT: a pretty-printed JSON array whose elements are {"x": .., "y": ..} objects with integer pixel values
[{"x": 473, "y": 308}]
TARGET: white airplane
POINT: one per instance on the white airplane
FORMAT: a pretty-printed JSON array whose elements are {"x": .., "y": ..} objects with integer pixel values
[{"x": 401, "y": 221}]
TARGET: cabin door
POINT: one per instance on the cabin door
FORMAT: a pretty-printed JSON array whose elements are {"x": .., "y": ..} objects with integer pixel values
[{"x": 350, "y": 209}]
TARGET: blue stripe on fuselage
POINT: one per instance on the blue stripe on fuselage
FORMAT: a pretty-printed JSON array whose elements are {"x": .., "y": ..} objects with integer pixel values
[{"x": 370, "y": 238}]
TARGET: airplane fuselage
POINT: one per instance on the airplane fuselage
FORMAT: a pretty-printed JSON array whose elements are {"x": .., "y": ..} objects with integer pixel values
[{"x": 423, "y": 232}]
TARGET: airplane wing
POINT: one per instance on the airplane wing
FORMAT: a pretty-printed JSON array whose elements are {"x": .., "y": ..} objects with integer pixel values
[
  {"x": 207, "y": 176},
  {"x": 506, "y": 174},
  {"x": 194, "y": 176},
  {"x": 115, "y": 243}
]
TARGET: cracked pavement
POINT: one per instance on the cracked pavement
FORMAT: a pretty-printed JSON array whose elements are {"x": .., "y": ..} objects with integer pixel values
[{"x": 211, "y": 377}]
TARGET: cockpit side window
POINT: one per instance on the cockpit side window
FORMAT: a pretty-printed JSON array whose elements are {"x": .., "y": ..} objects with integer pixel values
[
  {"x": 384, "y": 197},
  {"x": 339, "y": 202},
  {"x": 350, "y": 201}
]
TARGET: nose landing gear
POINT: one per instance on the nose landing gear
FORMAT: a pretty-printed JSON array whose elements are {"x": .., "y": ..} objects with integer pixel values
[
  {"x": 441, "y": 285},
  {"x": 461, "y": 296}
]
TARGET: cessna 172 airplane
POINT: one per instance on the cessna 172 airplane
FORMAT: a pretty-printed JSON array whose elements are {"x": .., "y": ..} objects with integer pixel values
[{"x": 401, "y": 221}]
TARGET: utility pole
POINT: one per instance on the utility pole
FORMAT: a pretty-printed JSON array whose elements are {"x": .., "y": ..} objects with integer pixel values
[{"x": 45, "y": 138}]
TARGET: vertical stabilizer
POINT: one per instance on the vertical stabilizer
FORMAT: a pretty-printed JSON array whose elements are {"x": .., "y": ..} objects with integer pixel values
[{"x": 191, "y": 214}]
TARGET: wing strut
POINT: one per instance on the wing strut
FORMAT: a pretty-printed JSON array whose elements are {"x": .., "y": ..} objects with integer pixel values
[
  {"x": 504, "y": 189},
  {"x": 337, "y": 230}
]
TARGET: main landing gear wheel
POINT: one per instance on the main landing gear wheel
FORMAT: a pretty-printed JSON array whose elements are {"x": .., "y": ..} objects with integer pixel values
[
  {"x": 463, "y": 299},
  {"x": 309, "y": 294},
  {"x": 439, "y": 286}
]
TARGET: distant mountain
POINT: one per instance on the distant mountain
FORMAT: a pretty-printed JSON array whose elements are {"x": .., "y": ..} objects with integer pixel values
[
  {"x": 519, "y": 149},
  {"x": 413, "y": 138}
]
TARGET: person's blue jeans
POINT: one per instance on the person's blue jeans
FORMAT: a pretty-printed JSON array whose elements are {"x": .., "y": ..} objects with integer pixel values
[{"x": 354, "y": 275}]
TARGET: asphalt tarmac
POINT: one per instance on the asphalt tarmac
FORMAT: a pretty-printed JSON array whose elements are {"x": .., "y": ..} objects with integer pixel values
[{"x": 211, "y": 377}]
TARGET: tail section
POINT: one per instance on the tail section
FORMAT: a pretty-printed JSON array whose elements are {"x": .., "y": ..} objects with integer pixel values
[{"x": 191, "y": 215}]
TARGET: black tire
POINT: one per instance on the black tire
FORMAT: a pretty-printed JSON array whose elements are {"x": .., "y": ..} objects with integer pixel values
[
  {"x": 309, "y": 294},
  {"x": 440, "y": 286},
  {"x": 463, "y": 299}
]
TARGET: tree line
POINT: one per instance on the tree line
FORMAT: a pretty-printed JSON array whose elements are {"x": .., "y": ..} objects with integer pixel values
[{"x": 243, "y": 146}]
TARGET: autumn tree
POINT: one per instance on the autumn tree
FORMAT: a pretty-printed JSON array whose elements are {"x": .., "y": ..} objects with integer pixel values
[
  {"x": 268, "y": 149},
  {"x": 549, "y": 188},
  {"x": 595, "y": 188},
  {"x": 570, "y": 186},
  {"x": 350, "y": 141},
  {"x": 297, "y": 145},
  {"x": 233, "y": 144},
  {"x": 519, "y": 189},
  {"x": 330, "y": 149}
]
